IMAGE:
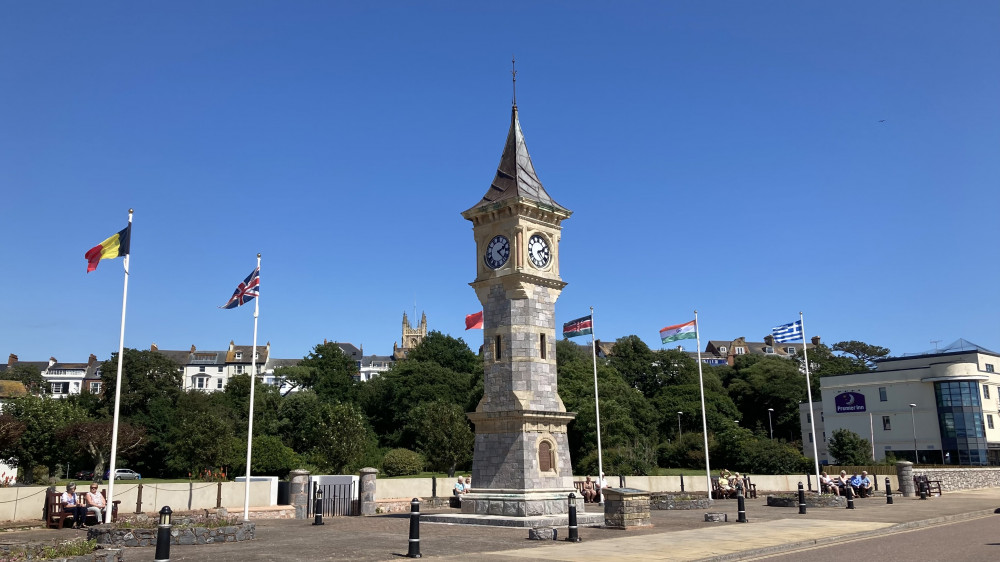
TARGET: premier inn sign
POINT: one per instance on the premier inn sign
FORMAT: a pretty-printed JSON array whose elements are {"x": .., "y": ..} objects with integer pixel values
[{"x": 849, "y": 402}]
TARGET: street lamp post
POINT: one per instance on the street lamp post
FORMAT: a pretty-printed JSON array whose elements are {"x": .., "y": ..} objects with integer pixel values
[
  {"x": 679, "y": 432},
  {"x": 914, "y": 425},
  {"x": 769, "y": 424}
]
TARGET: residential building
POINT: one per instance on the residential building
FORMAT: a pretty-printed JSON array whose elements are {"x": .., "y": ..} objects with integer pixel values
[{"x": 938, "y": 407}]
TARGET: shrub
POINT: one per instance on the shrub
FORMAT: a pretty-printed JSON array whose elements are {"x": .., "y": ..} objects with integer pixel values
[{"x": 402, "y": 462}]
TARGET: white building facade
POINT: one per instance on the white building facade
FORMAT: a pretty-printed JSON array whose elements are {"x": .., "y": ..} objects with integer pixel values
[{"x": 940, "y": 407}]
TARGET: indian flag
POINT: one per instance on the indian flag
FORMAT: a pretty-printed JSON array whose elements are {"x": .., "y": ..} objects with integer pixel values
[{"x": 676, "y": 332}]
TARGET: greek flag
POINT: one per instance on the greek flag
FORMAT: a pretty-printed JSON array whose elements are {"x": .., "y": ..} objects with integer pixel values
[{"x": 787, "y": 332}]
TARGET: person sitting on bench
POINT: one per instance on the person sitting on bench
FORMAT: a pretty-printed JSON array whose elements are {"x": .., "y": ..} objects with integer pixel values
[
  {"x": 95, "y": 503},
  {"x": 69, "y": 503},
  {"x": 589, "y": 491}
]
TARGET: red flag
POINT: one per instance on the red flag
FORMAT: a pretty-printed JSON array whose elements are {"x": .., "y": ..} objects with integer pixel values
[{"x": 474, "y": 321}]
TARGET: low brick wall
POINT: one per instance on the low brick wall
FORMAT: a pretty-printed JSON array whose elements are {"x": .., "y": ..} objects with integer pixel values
[
  {"x": 178, "y": 535},
  {"x": 961, "y": 478},
  {"x": 626, "y": 508},
  {"x": 677, "y": 501}
]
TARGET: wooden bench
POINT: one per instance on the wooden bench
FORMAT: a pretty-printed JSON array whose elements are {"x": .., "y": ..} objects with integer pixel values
[
  {"x": 932, "y": 485},
  {"x": 749, "y": 489},
  {"x": 55, "y": 515},
  {"x": 578, "y": 484}
]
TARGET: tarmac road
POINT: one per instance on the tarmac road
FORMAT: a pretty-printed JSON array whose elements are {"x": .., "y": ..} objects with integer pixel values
[{"x": 969, "y": 541}]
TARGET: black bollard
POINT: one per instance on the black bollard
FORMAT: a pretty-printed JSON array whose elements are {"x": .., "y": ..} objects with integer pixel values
[
  {"x": 741, "y": 508},
  {"x": 317, "y": 505},
  {"x": 802, "y": 500},
  {"x": 163, "y": 536},
  {"x": 923, "y": 491},
  {"x": 888, "y": 492},
  {"x": 850, "y": 496},
  {"x": 414, "y": 551},
  {"x": 574, "y": 535}
]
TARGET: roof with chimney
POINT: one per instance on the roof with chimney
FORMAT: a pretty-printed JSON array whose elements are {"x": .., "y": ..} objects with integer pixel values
[{"x": 516, "y": 177}]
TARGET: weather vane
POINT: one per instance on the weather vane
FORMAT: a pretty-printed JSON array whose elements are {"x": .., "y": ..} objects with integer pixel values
[{"x": 513, "y": 72}]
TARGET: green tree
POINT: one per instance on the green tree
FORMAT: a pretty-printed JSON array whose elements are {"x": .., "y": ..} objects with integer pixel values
[
  {"x": 443, "y": 435},
  {"x": 327, "y": 371},
  {"x": 637, "y": 365},
  {"x": 199, "y": 437},
  {"x": 824, "y": 363},
  {"x": 149, "y": 380},
  {"x": 450, "y": 353},
  {"x": 91, "y": 439},
  {"x": 770, "y": 382},
  {"x": 28, "y": 375},
  {"x": 344, "y": 440},
  {"x": 270, "y": 457},
  {"x": 863, "y": 352},
  {"x": 849, "y": 448},
  {"x": 40, "y": 442}
]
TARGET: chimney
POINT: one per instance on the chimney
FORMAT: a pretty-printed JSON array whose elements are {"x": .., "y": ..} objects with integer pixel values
[
  {"x": 192, "y": 348},
  {"x": 11, "y": 360},
  {"x": 815, "y": 340},
  {"x": 52, "y": 361},
  {"x": 152, "y": 347},
  {"x": 92, "y": 360},
  {"x": 769, "y": 340},
  {"x": 232, "y": 345}
]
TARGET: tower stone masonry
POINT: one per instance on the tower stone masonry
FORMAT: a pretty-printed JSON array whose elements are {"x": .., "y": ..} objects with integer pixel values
[{"x": 521, "y": 463}]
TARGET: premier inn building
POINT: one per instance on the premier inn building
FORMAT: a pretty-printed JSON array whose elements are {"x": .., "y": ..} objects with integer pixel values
[{"x": 937, "y": 407}]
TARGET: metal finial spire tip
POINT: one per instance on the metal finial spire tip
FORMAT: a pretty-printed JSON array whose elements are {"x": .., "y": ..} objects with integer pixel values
[{"x": 513, "y": 73}]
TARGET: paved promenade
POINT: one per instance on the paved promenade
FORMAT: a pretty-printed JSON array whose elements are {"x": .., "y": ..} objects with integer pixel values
[{"x": 675, "y": 535}]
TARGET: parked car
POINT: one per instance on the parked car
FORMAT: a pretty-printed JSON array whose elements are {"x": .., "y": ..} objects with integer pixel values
[
  {"x": 85, "y": 475},
  {"x": 125, "y": 474}
]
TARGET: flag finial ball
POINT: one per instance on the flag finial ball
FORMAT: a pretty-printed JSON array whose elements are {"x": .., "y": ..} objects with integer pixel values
[
  {"x": 130, "y": 211},
  {"x": 258, "y": 254}
]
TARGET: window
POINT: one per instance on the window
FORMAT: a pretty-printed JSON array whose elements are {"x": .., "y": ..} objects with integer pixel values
[
  {"x": 790, "y": 350},
  {"x": 541, "y": 342},
  {"x": 218, "y": 383},
  {"x": 496, "y": 349},
  {"x": 60, "y": 388},
  {"x": 239, "y": 355},
  {"x": 199, "y": 382},
  {"x": 986, "y": 391},
  {"x": 739, "y": 350},
  {"x": 989, "y": 367},
  {"x": 882, "y": 395},
  {"x": 723, "y": 349},
  {"x": 220, "y": 368},
  {"x": 886, "y": 423},
  {"x": 809, "y": 417},
  {"x": 201, "y": 369},
  {"x": 95, "y": 387},
  {"x": 239, "y": 369},
  {"x": 989, "y": 421},
  {"x": 810, "y": 437},
  {"x": 768, "y": 349}
]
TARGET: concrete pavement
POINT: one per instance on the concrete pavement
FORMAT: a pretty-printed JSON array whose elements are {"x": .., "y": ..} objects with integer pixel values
[{"x": 675, "y": 535}]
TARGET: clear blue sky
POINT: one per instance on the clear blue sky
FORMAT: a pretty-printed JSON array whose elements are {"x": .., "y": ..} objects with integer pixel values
[{"x": 729, "y": 157}]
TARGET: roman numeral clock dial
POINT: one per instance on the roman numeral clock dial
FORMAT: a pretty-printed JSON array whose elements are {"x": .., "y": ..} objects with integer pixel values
[
  {"x": 538, "y": 251},
  {"x": 497, "y": 252}
]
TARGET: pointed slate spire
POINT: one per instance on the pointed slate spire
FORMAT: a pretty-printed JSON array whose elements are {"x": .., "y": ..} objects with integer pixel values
[{"x": 516, "y": 175}]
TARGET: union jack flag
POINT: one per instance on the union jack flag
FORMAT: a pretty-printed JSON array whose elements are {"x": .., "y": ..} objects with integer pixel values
[{"x": 246, "y": 291}]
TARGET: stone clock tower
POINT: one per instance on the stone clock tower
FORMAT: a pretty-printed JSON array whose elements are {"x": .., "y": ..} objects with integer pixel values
[{"x": 521, "y": 465}]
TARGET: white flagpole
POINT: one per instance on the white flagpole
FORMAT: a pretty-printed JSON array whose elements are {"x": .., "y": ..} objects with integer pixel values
[
  {"x": 704, "y": 417},
  {"x": 597, "y": 407},
  {"x": 118, "y": 378},
  {"x": 809, "y": 393},
  {"x": 253, "y": 377},
  {"x": 871, "y": 427}
]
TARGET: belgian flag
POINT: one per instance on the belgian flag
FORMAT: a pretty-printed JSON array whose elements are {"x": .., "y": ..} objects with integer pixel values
[{"x": 115, "y": 246}]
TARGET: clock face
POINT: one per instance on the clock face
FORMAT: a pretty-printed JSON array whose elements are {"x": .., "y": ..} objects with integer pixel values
[
  {"x": 538, "y": 251},
  {"x": 497, "y": 251}
]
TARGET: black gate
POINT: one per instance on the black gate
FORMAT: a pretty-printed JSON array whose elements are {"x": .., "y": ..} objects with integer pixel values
[{"x": 338, "y": 499}]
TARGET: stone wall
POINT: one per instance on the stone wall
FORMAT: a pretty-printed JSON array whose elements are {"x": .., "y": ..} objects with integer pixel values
[
  {"x": 675, "y": 501},
  {"x": 962, "y": 478},
  {"x": 178, "y": 535}
]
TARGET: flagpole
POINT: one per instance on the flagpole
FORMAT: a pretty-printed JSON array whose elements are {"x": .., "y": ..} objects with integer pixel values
[
  {"x": 809, "y": 393},
  {"x": 704, "y": 416},
  {"x": 118, "y": 378},
  {"x": 253, "y": 377},
  {"x": 597, "y": 407}
]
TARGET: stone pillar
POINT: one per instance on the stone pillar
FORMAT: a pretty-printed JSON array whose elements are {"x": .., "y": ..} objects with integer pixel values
[
  {"x": 298, "y": 492},
  {"x": 626, "y": 508},
  {"x": 904, "y": 474},
  {"x": 367, "y": 490}
]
